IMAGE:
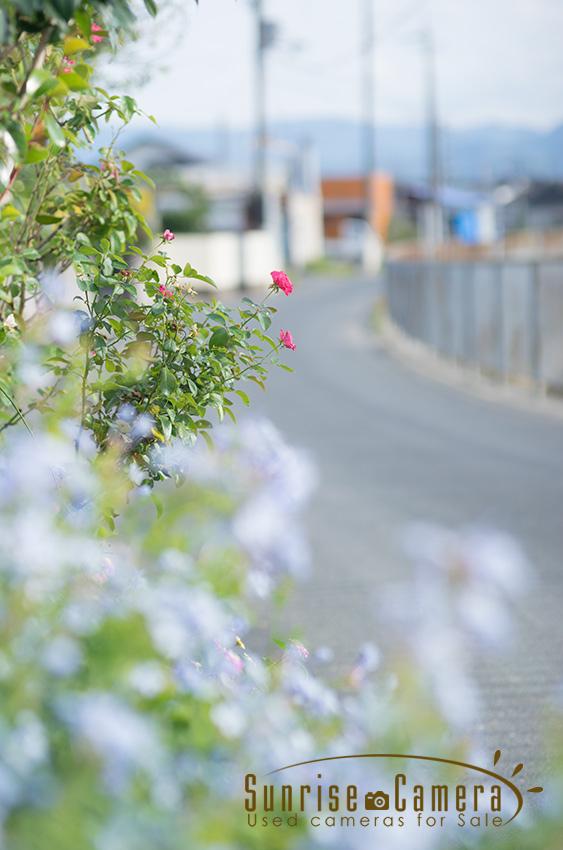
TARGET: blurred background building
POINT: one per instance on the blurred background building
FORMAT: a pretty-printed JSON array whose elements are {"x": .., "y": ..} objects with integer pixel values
[{"x": 349, "y": 132}]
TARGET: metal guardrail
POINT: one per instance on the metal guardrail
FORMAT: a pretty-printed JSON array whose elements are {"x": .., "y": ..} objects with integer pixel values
[{"x": 502, "y": 317}]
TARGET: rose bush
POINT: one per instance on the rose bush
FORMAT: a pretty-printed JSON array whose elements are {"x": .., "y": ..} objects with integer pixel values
[{"x": 144, "y": 337}]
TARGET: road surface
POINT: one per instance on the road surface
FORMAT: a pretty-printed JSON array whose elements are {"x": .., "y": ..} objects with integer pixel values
[{"x": 393, "y": 446}]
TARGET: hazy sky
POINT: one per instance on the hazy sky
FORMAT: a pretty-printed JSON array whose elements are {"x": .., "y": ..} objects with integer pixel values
[{"x": 499, "y": 61}]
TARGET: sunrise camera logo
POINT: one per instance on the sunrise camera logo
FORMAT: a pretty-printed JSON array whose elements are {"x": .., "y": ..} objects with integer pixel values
[
  {"x": 377, "y": 802},
  {"x": 485, "y": 799}
]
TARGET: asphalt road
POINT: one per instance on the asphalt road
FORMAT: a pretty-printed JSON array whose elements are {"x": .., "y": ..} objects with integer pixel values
[{"x": 393, "y": 446}]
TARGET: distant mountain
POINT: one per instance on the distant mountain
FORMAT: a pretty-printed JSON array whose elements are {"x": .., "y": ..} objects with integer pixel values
[{"x": 480, "y": 154}]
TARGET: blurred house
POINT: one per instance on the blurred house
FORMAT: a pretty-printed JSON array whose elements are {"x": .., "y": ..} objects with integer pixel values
[
  {"x": 345, "y": 197},
  {"x": 465, "y": 215},
  {"x": 535, "y": 205},
  {"x": 211, "y": 209},
  {"x": 357, "y": 213}
]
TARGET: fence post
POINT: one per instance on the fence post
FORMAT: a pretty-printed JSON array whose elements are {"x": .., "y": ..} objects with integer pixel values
[
  {"x": 469, "y": 318},
  {"x": 534, "y": 323},
  {"x": 500, "y": 307}
]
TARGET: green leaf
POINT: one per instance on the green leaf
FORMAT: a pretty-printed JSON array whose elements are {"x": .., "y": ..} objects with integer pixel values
[
  {"x": 18, "y": 137},
  {"x": 168, "y": 382},
  {"x": 192, "y": 273},
  {"x": 151, "y": 7},
  {"x": 219, "y": 338},
  {"x": 41, "y": 83},
  {"x": 9, "y": 269},
  {"x": 72, "y": 44},
  {"x": 266, "y": 339},
  {"x": 11, "y": 212},
  {"x": 82, "y": 18},
  {"x": 264, "y": 321},
  {"x": 217, "y": 317},
  {"x": 36, "y": 153},
  {"x": 55, "y": 131},
  {"x": 142, "y": 176},
  {"x": 129, "y": 107},
  {"x": 243, "y": 396},
  {"x": 207, "y": 439},
  {"x": 255, "y": 380},
  {"x": 86, "y": 285},
  {"x": 166, "y": 426},
  {"x": 76, "y": 82},
  {"x": 64, "y": 8},
  {"x": 43, "y": 218}
]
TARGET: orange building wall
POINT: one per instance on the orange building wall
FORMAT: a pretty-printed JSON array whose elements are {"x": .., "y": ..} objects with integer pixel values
[{"x": 351, "y": 191}]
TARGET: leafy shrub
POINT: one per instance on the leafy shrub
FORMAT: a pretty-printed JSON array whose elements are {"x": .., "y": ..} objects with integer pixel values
[{"x": 144, "y": 337}]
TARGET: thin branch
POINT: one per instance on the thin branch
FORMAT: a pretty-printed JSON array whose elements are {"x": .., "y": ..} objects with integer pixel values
[{"x": 19, "y": 414}]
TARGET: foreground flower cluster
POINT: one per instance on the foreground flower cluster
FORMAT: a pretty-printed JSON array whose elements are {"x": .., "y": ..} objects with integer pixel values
[{"x": 132, "y": 702}]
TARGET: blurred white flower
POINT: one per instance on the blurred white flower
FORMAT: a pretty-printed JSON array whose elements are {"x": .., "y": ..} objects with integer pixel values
[
  {"x": 308, "y": 691},
  {"x": 25, "y": 747},
  {"x": 62, "y": 656},
  {"x": 461, "y": 592},
  {"x": 149, "y": 678},
  {"x": 229, "y": 718},
  {"x": 63, "y": 327},
  {"x": 368, "y": 660},
  {"x": 123, "y": 738},
  {"x": 142, "y": 427}
]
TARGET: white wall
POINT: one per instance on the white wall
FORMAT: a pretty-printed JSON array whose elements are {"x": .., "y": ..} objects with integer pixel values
[
  {"x": 229, "y": 258},
  {"x": 306, "y": 237}
]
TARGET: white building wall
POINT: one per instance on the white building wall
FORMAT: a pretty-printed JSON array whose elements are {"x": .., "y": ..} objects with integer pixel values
[
  {"x": 229, "y": 258},
  {"x": 306, "y": 238}
]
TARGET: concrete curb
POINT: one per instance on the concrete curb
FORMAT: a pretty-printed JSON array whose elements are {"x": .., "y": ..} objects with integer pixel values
[{"x": 428, "y": 363}]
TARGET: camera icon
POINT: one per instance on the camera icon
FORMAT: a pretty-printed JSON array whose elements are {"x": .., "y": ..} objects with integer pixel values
[{"x": 376, "y": 801}]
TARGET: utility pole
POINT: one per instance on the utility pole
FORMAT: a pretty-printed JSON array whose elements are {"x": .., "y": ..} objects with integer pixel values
[
  {"x": 368, "y": 102},
  {"x": 260, "y": 106},
  {"x": 266, "y": 36},
  {"x": 435, "y": 176}
]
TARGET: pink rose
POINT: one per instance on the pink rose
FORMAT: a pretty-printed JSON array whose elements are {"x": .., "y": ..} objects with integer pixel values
[
  {"x": 96, "y": 28},
  {"x": 168, "y": 236},
  {"x": 68, "y": 65},
  {"x": 287, "y": 340},
  {"x": 281, "y": 281},
  {"x": 166, "y": 293}
]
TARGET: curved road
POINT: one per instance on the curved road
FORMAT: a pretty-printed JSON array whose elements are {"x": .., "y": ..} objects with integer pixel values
[{"x": 393, "y": 446}]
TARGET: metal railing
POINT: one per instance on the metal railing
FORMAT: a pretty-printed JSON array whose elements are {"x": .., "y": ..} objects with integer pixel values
[{"x": 502, "y": 317}]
